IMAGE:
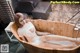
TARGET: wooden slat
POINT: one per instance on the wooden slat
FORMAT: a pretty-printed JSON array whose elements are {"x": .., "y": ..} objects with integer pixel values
[{"x": 58, "y": 28}]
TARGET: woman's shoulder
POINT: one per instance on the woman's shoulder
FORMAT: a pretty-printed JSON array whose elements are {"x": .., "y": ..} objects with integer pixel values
[
  {"x": 29, "y": 24},
  {"x": 25, "y": 26}
]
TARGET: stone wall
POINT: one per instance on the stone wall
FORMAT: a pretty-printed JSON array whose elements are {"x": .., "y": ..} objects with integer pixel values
[{"x": 64, "y": 12}]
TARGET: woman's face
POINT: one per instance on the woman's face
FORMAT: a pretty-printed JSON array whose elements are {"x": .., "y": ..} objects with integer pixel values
[{"x": 21, "y": 21}]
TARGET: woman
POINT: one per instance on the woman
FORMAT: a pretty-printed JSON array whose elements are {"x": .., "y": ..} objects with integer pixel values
[
  {"x": 27, "y": 32},
  {"x": 26, "y": 29}
]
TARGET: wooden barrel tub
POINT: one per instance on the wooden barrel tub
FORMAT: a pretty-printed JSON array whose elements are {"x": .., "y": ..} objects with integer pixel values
[{"x": 62, "y": 31}]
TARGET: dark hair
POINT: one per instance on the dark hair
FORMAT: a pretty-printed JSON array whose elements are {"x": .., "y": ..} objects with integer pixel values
[{"x": 19, "y": 15}]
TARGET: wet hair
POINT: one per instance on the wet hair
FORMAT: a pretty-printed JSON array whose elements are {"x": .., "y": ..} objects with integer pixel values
[{"x": 19, "y": 15}]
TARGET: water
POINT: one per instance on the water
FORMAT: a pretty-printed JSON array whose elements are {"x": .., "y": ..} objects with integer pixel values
[{"x": 63, "y": 43}]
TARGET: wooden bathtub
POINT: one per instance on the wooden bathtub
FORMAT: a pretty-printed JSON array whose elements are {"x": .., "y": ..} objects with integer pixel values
[{"x": 63, "y": 30}]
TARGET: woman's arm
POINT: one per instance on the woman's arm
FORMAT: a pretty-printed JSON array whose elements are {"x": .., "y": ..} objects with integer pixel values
[
  {"x": 21, "y": 36},
  {"x": 42, "y": 33}
]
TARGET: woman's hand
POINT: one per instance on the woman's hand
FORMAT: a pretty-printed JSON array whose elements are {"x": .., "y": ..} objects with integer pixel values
[{"x": 23, "y": 38}]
